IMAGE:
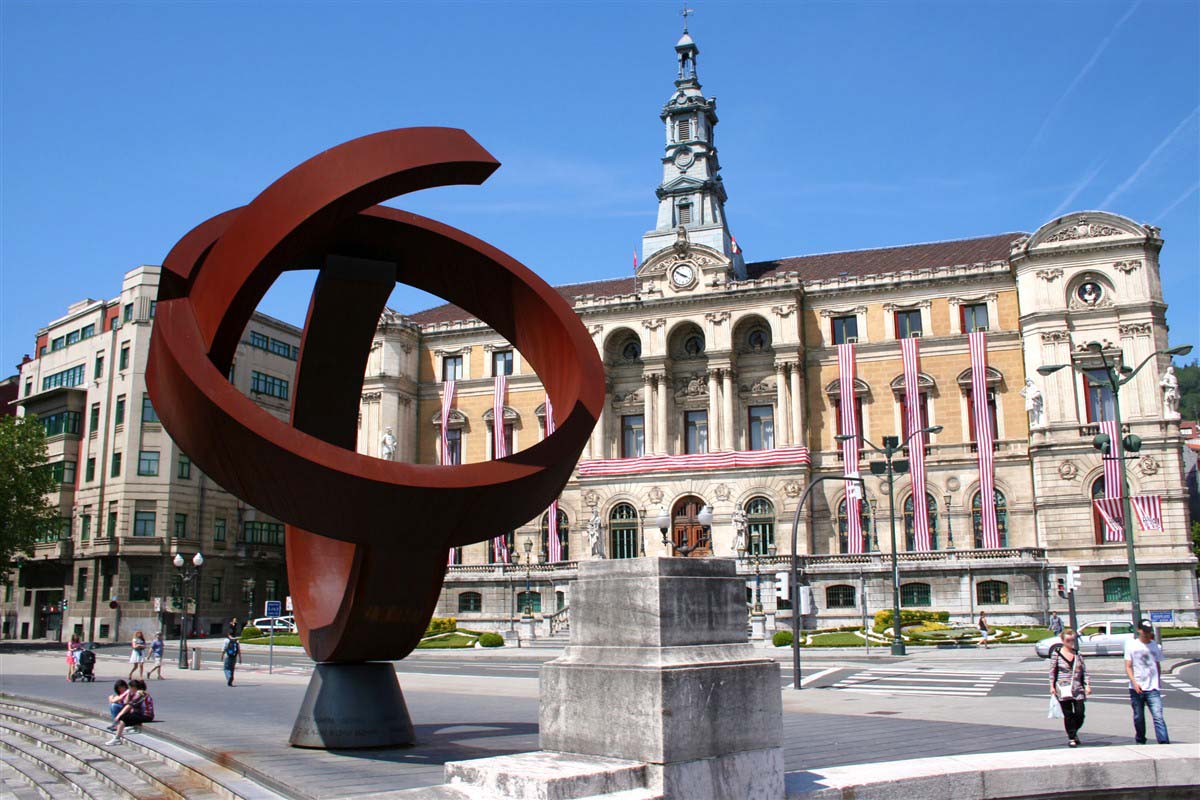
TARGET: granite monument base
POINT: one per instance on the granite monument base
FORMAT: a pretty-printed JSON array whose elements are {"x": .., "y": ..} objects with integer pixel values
[{"x": 352, "y": 706}]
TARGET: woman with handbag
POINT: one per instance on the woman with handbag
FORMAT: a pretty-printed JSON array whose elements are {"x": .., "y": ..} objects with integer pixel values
[{"x": 1070, "y": 685}]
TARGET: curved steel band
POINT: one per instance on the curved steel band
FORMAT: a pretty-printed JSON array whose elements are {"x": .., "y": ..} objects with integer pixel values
[{"x": 366, "y": 538}]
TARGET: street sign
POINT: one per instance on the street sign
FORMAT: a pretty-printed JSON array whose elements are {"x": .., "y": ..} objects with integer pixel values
[
  {"x": 274, "y": 608},
  {"x": 1162, "y": 616}
]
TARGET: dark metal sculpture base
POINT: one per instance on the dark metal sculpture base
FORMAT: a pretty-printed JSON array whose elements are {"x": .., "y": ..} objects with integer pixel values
[{"x": 351, "y": 706}]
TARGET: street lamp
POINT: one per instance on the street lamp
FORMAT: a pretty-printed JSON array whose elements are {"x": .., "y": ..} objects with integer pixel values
[
  {"x": 754, "y": 552},
  {"x": 185, "y": 577},
  {"x": 949, "y": 522},
  {"x": 1116, "y": 378},
  {"x": 527, "y": 611},
  {"x": 705, "y": 518},
  {"x": 892, "y": 446},
  {"x": 248, "y": 589}
]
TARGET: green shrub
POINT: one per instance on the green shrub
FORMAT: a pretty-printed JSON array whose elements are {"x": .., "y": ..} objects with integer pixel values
[
  {"x": 441, "y": 625},
  {"x": 491, "y": 640},
  {"x": 908, "y": 616},
  {"x": 782, "y": 638},
  {"x": 251, "y": 632}
]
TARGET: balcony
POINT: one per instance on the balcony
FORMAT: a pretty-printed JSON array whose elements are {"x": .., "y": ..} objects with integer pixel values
[
  {"x": 54, "y": 548},
  {"x": 512, "y": 570},
  {"x": 99, "y": 546},
  {"x": 722, "y": 460},
  {"x": 142, "y": 546}
]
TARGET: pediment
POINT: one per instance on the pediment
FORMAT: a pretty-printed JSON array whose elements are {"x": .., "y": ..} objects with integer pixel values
[
  {"x": 1086, "y": 229},
  {"x": 682, "y": 183},
  {"x": 698, "y": 255}
]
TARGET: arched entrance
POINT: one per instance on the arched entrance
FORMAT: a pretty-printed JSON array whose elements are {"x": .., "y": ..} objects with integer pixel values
[{"x": 686, "y": 528}]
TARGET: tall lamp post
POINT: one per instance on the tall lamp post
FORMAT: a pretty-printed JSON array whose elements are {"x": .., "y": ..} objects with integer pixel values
[
  {"x": 889, "y": 466},
  {"x": 185, "y": 577},
  {"x": 705, "y": 518},
  {"x": 949, "y": 522},
  {"x": 248, "y": 587},
  {"x": 1114, "y": 378},
  {"x": 527, "y": 609},
  {"x": 754, "y": 552}
]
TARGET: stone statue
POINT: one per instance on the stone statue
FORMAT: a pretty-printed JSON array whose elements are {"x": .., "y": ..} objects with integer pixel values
[
  {"x": 593, "y": 532},
  {"x": 682, "y": 244},
  {"x": 387, "y": 445},
  {"x": 1170, "y": 387},
  {"x": 1035, "y": 404},
  {"x": 739, "y": 530}
]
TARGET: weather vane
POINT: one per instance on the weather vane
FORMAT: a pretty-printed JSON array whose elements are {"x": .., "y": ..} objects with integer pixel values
[{"x": 685, "y": 13}]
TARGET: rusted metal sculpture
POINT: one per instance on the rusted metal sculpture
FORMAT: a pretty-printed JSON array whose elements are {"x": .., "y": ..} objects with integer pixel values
[{"x": 364, "y": 584}]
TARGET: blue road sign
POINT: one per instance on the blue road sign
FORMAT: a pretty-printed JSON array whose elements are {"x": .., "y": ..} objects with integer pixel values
[
  {"x": 274, "y": 608},
  {"x": 1162, "y": 616}
]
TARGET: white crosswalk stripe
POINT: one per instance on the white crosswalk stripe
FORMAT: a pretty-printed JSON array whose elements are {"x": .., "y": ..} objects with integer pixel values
[
  {"x": 1175, "y": 683},
  {"x": 910, "y": 681}
]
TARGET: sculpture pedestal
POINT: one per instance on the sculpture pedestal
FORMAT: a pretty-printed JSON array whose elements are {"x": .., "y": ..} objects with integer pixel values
[
  {"x": 528, "y": 629},
  {"x": 758, "y": 627},
  {"x": 351, "y": 706}
]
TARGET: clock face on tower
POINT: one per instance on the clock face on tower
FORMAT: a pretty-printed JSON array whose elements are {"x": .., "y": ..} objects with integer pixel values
[{"x": 683, "y": 275}]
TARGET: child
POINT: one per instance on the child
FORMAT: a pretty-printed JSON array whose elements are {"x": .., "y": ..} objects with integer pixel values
[{"x": 156, "y": 656}]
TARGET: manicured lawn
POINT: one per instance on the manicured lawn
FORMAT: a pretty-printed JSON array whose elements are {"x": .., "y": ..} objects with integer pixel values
[
  {"x": 1168, "y": 633},
  {"x": 454, "y": 640},
  {"x": 281, "y": 640},
  {"x": 837, "y": 639},
  {"x": 1033, "y": 633}
]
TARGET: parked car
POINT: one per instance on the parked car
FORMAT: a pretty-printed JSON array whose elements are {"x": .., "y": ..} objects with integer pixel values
[
  {"x": 1101, "y": 638},
  {"x": 280, "y": 624}
]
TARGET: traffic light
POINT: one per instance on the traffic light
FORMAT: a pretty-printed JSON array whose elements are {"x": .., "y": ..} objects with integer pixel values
[
  {"x": 64, "y": 606},
  {"x": 1072, "y": 578},
  {"x": 1062, "y": 588}
]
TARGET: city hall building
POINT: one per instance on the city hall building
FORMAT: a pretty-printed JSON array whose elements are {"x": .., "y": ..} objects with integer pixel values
[{"x": 728, "y": 385}]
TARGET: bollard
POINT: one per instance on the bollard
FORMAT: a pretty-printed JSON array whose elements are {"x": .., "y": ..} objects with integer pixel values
[{"x": 195, "y": 658}]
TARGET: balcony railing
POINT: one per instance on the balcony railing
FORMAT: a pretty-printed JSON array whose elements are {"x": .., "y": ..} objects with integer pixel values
[{"x": 511, "y": 569}]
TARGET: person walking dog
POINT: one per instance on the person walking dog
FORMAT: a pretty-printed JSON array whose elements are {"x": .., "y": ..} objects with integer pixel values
[
  {"x": 1142, "y": 658},
  {"x": 1069, "y": 683}
]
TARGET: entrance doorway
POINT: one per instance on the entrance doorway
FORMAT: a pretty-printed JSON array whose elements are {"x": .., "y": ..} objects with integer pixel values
[{"x": 686, "y": 528}]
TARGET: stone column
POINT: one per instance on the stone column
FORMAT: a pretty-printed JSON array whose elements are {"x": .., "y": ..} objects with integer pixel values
[
  {"x": 781, "y": 408},
  {"x": 713, "y": 412},
  {"x": 648, "y": 412},
  {"x": 797, "y": 406},
  {"x": 727, "y": 437},
  {"x": 660, "y": 421}
]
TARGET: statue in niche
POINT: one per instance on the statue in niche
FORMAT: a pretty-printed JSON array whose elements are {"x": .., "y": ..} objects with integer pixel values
[
  {"x": 1089, "y": 293},
  {"x": 1035, "y": 404},
  {"x": 593, "y": 532},
  {"x": 739, "y": 530},
  {"x": 681, "y": 244},
  {"x": 387, "y": 445},
  {"x": 1170, "y": 389}
]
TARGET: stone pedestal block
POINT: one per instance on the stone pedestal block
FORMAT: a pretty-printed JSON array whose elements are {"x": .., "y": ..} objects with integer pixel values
[
  {"x": 758, "y": 627},
  {"x": 353, "y": 706},
  {"x": 659, "y": 671},
  {"x": 527, "y": 628}
]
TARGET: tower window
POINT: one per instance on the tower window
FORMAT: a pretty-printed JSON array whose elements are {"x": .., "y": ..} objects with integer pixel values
[
  {"x": 685, "y": 129},
  {"x": 685, "y": 215}
]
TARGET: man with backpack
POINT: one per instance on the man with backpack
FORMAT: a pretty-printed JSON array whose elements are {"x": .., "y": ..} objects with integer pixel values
[{"x": 232, "y": 653}]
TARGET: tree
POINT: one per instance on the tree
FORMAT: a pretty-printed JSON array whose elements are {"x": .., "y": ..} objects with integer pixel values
[
  {"x": 25, "y": 511},
  {"x": 1189, "y": 390},
  {"x": 1196, "y": 544}
]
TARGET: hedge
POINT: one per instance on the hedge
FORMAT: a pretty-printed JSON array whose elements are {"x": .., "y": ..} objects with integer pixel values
[
  {"x": 782, "y": 638},
  {"x": 491, "y": 640},
  {"x": 883, "y": 618},
  {"x": 251, "y": 632},
  {"x": 441, "y": 625}
]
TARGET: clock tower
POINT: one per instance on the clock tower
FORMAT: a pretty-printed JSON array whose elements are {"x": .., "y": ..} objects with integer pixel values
[{"x": 691, "y": 197}]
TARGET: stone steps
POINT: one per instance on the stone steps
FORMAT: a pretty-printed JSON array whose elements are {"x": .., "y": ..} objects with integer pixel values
[
  {"x": 30, "y": 780},
  {"x": 58, "y": 752}
]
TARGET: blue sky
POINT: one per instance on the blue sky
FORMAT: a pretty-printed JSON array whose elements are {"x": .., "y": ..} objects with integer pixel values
[{"x": 843, "y": 126}]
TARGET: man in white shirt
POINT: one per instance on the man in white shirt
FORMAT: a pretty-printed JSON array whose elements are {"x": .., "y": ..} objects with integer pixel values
[{"x": 1142, "y": 658}]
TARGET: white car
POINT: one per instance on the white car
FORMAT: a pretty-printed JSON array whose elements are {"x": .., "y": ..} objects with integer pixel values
[
  {"x": 1102, "y": 638},
  {"x": 280, "y": 624}
]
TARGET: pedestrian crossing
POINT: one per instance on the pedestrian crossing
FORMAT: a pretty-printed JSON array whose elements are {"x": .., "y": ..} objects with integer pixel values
[
  {"x": 921, "y": 681},
  {"x": 1170, "y": 681}
]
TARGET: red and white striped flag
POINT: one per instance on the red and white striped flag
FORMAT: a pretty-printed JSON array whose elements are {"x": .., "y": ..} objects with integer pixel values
[
  {"x": 553, "y": 545},
  {"x": 849, "y": 419},
  {"x": 984, "y": 442},
  {"x": 922, "y": 540},
  {"x": 499, "y": 543},
  {"x": 1148, "y": 508},
  {"x": 733, "y": 245},
  {"x": 1114, "y": 529},
  {"x": 444, "y": 455},
  {"x": 1110, "y": 512},
  {"x": 635, "y": 260}
]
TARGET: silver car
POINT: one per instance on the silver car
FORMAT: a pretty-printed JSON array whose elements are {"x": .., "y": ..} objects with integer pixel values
[{"x": 1102, "y": 638}]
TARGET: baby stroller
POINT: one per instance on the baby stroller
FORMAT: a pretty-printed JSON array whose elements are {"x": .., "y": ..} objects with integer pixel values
[{"x": 85, "y": 666}]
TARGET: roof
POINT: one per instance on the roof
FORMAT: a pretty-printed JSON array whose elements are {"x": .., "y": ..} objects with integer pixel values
[{"x": 850, "y": 263}]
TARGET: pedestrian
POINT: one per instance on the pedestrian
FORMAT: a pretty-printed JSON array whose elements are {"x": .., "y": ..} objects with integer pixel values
[
  {"x": 1070, "y": 684},
  {"x": 73, "y": 649},
  {"x": 983, "y": 629},
  {"x": 1142, "y": 658},
  {"x": 116, "y": 701},
  {"x": 137, "y": 655},
  {"x": 1056, "y": 626},
  {"x": 233, "y": 655},
  {"x": 132, "y": 714},
  {"x": 156, "y": 656}
]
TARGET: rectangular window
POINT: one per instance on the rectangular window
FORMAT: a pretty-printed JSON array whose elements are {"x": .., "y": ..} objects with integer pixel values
[
  {"x": 281, "y": 349},
  {"x": 1099, "y": 393},
  {"x": 58, "y": 343},
  {"x": 87, "y": 331},
  {"x": 915, "y": 594},
  {"x": 64, "y": 422},
  {"x": 90, "y": 471},
  {"x": 153, "y": 308},
  {"x": 98, "y": 372},
  {"x": 66, "y": 378},
  {"x": 119, "y": 412},
  {"x": 148, "y": 462},
  {"x": 181, "y": 526},
  {"x": 256, "y": 532},
  {"x": 81, "y": 585},
  {"x": 94, "y": 418},
  {"x": 148, "y": 412},
  {"x": 858, "y": 420},
  {"x": 974, "y": 317},
  {"x": 85, "y": 527},
  {"x": 143, "y": 523},
  {"x": 115, "y": 472},
  {"x": 128, "y": 313},
  {"x": 991, "y": 404},
  {"x": 258, "y": 340},
  {"x": 215, "y": 595},
  {"x": 112, "y": 522},
  {"x": 508, "y": 439},
  {"x": 502, "y": 363},
  {"x": 72, "y": 338},
  {"x": 685, "y": 129},
  {"x": 685, "y": 214},
  {"x": 633, "y": 436},
  {"x": 123, "y": 359},
  {"x": 107, "y": 586},
  {"x": 63, "y": 472},
  {"x": 219, "y": 529},
  {"x": 923, "y": 400},
  {"x": 695, "y": 424},
  {"x": 453, "y": 446},
  {"x": 845, "y": 329},
  {"x": 762, "y": 427},
  {"x": 185, "y": 468},
  {"x": 28, "y": 387},
  {"x": 908, "y": 324},
  {"x": 452, "y": 368},
  {"x": 261, "y": 383},
  {"x": 139, "y": 587}
]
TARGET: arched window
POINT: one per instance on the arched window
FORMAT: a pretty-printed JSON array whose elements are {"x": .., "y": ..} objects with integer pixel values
[
  {"x": 840, "y": 596},
  {"x": 760, "y": 526},
  {"x": 470, "y": 601},
  {"x": 494, "y": 557},
  {"x": 910, "y": 539},
  {"x": 531, "y": 599},
  {"x": 623, "y": 531},
  {"x": 843, "y": 523},
  {"x": 1097, "y": 519},
  {"x": 915, "y": 594},
  {"x": 991, "y": 593},
  {"x": 1001, "y": 519},
  {"x": 1116, "y": 590},
  {"x": 564, "y": 541}
]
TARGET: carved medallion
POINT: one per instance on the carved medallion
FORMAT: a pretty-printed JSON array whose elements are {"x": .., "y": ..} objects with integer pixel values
[
  {"x": 791, "y": 489},
  {"x": 1068, "y": 471},
  {"x": 655, "y": 494},
  {"x": 1148, "y": 464},
  {"x": 722, "y": 492},
  {"x": 591, "y": 498}
]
